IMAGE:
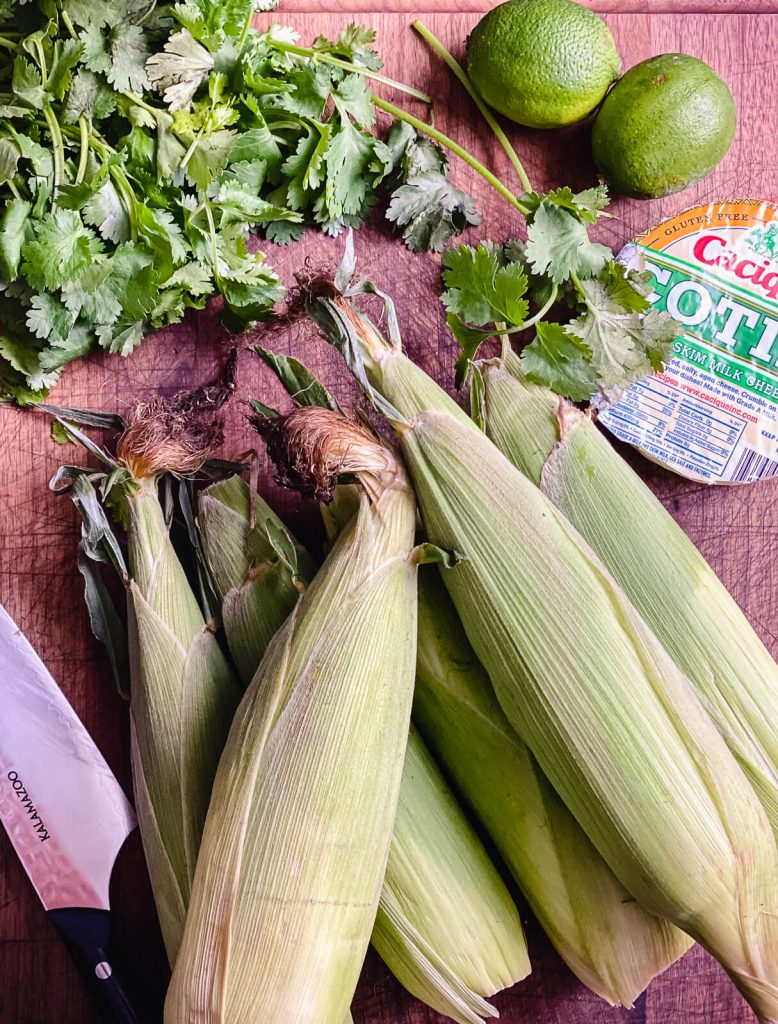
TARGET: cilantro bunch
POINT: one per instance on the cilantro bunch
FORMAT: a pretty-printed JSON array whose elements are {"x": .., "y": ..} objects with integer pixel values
[
  {"x": 141, "y": 145},
  {"x": 610, "y": 339}
]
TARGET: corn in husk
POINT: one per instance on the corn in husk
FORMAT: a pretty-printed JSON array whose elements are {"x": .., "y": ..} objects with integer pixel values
[
  {"x": 614, "y": 724},
  {"x": 649, "y": 555},
  {"x": 182, "y": 691},
  {"x": 298, "y": 832},
  {"x": 606, "y": 938},
  {"x": 446, "y": 925}
]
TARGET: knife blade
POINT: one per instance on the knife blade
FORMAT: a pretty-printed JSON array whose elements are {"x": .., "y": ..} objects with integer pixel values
[{"x": 64, "y": 811}]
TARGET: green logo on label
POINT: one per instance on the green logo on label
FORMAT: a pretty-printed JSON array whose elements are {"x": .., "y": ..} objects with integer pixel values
[{"x": 764, "y": 241}]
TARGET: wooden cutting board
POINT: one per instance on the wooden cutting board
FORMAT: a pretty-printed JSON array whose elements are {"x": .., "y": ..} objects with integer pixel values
[{"x": 40, "y": 586}]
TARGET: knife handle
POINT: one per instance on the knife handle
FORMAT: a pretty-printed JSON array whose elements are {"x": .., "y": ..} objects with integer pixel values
[{"x": 87, "y": 932}]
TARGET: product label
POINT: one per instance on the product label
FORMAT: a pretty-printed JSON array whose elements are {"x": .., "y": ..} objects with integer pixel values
[{"x": 712, "y": 414}]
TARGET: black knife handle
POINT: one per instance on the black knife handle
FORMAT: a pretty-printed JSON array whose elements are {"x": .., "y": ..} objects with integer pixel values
[{"x": 87, "y": 933}]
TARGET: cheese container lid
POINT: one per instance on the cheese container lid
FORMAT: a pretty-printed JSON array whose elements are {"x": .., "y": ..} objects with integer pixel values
[{"x": 712, "y": 414}]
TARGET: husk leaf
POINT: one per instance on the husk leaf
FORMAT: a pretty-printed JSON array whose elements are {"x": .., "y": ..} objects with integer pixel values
[
  {"x": 605, "y": 936},
  {"x": 660, "y": 569}
]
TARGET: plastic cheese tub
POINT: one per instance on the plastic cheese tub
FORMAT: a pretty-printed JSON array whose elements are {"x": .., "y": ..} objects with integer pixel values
[{"x": 712, "y": 415}]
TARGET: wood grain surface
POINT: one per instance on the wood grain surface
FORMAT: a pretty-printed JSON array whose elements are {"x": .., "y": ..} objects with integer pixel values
[{"x": 40, "y": 586}]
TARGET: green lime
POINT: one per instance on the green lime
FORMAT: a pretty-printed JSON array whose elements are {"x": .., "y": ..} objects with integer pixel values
[
  {"x": 663, "y": 126},
  {"x": 543, "y": 63}
]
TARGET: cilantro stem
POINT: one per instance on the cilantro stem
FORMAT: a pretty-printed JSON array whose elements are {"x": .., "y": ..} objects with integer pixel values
[
  {"x": 127, "y": 197},
  {"x": 543, "y": 309},
  {"x": 459, "y": 72},
  {"x": 582, "y": 291},
  {"x": 9, "y": 44},
  {"x": 134, "y": 98},
  {"x": 192, "y": 147},
  {"x": 68, "y": 24},
  {"x": 14, "y": 190},
  {"x": 347, "y": 65},
  {"x": 449, "y": 143},
  {"x": 246, "y": 29},
  {"x": 83, "y": 127},
  {"x": 214, "y": 246},
  {"x": 57, "y": 146}
]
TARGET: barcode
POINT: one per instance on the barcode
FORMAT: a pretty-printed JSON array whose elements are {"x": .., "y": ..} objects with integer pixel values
[{"x": 753, "y": 466}]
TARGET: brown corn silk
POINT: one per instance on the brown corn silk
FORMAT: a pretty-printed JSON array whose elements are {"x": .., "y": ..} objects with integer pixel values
[
  {"x": 446, "y": 924},
  {"x": 614, "y": 724},
  {"x": 298, "y": 832},
  {"x": 662, "y": 572}
]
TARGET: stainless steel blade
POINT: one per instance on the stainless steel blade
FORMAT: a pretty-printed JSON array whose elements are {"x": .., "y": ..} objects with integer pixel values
[{"x": 66, "y": 814}]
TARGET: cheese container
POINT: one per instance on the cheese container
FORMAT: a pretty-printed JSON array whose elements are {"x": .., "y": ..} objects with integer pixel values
[{"x": 712, "y": 414}]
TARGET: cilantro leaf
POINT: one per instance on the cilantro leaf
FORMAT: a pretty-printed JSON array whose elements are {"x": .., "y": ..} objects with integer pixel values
[
  {"x": 179, "y": 69},
  {"x": 585, "y": 206},
  {"x": 129, "y": 51},
  {"x": 558, "y": 246},
  {"x": 425, "y": 205},
  {"x": 49, "y": 318},
  {"x": 559, "y": 361},
  {"x": 14, "y": 226},
  {"x": 348, "y": 158},
  {"x": 88, "y": 96},
  {"x": 352, "y": 98},
  {"x": 469, "y": 340},
  {"x": 61, "y": 248},
  {"x": 430, "y": 210},
  {"x": 305, "y": 168},
  {"x": 624, "y": 344},
  {"x": 355, "y": 43},
  {"x": 481, "y": 288},
  {"x": 105, "y": 211}
]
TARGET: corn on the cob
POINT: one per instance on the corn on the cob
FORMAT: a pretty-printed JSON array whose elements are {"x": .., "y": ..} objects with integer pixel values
[
  {"x": 649, "y": 555},
  {"x": 446, "y": 925},
  {"x": 607, "y": 939},
  {"x": 613, "y": 723},
  {"x": 298, "y": 832},
  {"x": 182, "y": 692}
]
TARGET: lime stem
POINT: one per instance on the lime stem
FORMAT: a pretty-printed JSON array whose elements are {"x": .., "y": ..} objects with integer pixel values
[
  {"x": 434, "y": 43},
  {"x": 449, "y": 143}
]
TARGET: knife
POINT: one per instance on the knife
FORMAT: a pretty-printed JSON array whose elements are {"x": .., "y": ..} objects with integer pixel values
[{"x": 65, "y": 813}]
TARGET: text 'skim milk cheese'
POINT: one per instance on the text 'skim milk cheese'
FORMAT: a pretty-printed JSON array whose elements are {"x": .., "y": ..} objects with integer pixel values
[{"x": 712, "y": 414}]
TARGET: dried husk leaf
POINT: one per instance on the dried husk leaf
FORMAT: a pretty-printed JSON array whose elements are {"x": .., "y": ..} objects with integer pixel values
[
  {"x": 605, "y": 936},
  {"x": 298, "y": 833},
  {"x": 446, "y": 925},
  {"x": 660, "y": 569},
  {"x": 613, "y": 723}
]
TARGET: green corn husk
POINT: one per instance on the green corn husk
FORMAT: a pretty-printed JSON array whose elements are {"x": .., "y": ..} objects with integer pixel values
[
  {"x": 298, "y": 831},
  {"x": 182, "y": 699},
  {"x": 614, "y": 724},
  {"x": 182, "y": 691},
  {"x": 606, "y": 938},
  {"x": 649, "y": 555},
  {"x": 446, "y": 925}
]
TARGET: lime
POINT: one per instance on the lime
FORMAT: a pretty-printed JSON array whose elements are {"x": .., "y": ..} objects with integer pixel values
[
  {"x": 663, "y": 126},
  {"x": 543, "y": 63}
]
